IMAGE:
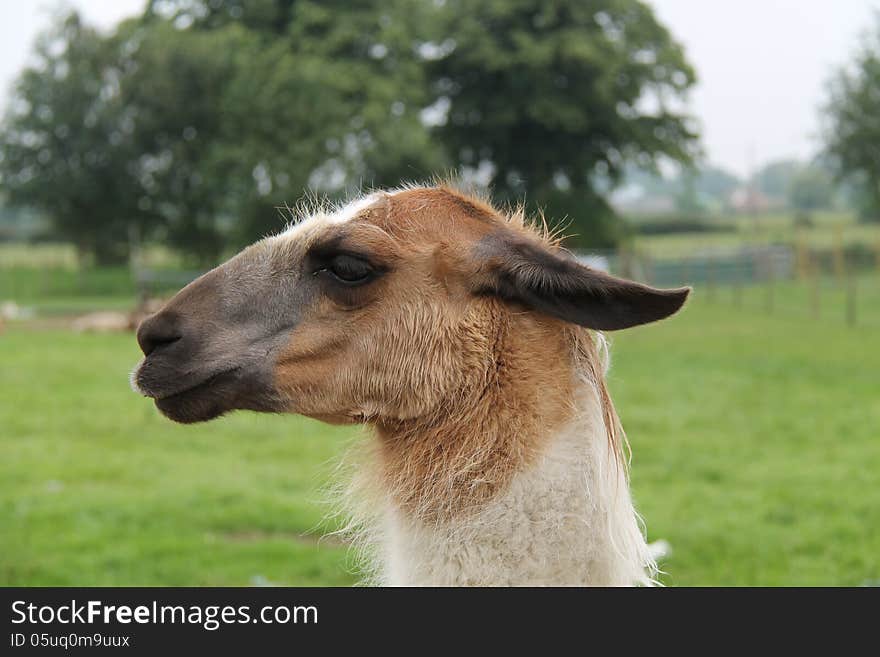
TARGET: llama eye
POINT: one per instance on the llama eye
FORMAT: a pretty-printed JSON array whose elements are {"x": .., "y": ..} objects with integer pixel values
[{"x": 349, "y": 269}]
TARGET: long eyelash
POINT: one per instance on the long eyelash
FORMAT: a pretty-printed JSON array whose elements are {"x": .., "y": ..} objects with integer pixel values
[
  {"x": 324, "y": 253},
  {"x": 351, "y": 284}
]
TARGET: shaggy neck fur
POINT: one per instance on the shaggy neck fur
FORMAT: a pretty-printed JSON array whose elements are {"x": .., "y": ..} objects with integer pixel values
[{"x": 518, "y": 482}]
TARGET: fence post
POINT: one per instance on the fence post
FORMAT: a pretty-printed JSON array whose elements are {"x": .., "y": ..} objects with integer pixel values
[
  {"x": 851, "y": 299},
  {"x": 816, "y": 281},
  {"x": 739, "y": 275},
  {"x": 710, "y": 278},
  {"x": 801, "y": 254},
  {"x": 837, "y": 250},
  {"x": 770, "y": 287}
]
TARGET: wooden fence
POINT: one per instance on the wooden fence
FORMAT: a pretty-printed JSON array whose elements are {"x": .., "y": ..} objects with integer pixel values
[{"x": 781, "y": 280}]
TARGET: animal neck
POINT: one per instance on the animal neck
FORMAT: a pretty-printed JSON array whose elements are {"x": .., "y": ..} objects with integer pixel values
[
  {"x": 450, "y": 462},
  {"x": 516, "y": 483}
]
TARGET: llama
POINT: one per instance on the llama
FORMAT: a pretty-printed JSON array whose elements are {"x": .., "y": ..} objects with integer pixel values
[{"x": 461, "y": 335}]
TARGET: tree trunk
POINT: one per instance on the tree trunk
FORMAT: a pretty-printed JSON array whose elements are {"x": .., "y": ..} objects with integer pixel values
[{"x": 109, "y": 252}]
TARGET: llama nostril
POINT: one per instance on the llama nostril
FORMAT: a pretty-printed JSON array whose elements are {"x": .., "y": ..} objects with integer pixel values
[{"x": 157, "y": 331}]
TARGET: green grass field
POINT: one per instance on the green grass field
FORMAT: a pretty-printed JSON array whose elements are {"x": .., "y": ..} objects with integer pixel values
[
  {"x": 99, "y": 489},
  {"x": 756, "y": 447}
]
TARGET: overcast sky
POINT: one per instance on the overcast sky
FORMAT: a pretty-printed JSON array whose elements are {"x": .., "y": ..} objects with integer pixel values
[{"x": 762, "y": 64}]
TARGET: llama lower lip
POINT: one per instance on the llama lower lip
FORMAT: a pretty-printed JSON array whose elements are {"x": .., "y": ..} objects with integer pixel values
[
  {"x": 234, "y": 388},
  {"x": 201, "y": 384}
]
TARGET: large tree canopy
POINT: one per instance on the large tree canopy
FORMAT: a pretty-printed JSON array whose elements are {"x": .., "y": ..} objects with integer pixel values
[
  {"x": 810, "y": 189},
  {"x": 852, "y": 131},
  {"x": 774, "y": 178},
  {"x": 328, "y": 99},
  {"x": 66, "y": 141},
  {"x": 174, "y": 89},
  {"x": 554, "y": 96}
]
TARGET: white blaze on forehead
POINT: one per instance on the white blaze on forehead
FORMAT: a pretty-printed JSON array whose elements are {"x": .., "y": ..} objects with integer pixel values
[
  {"x": 352, "y": 209},
  {"x": 340, "y": 215}
]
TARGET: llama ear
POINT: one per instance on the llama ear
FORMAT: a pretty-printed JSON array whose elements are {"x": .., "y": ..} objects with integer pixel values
[{"x": 516, "y": 268}]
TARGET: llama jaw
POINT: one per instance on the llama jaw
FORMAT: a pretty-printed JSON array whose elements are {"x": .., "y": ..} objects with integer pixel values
[
  {"x": 148, "y": 384},
  {"x": 192, "y": 404},
  {"x": 223, "y": 391},
  {"x": 201, "y": 402}
]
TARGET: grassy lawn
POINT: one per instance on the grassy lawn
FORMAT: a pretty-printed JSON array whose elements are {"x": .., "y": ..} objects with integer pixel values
[
  {"x": 100, "y": 489},
  {"x": 756, "y": 447}
]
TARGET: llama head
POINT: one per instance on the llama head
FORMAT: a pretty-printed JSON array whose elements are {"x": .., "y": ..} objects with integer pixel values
[{"x": 382, "y": 310}]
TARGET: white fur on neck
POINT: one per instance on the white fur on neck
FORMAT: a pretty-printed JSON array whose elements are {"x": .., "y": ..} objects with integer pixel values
[{"x": 567, "y": 520}]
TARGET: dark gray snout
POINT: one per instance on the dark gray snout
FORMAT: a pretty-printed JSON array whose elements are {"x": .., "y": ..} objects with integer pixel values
[{"x": 213, "y": 347}]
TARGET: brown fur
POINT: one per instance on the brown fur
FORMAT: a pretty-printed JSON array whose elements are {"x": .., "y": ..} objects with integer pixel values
[{"x": 463, "y": 390}]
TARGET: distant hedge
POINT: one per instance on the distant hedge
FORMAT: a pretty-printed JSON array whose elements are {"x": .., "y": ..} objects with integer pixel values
[{"x": 673, "y": 226}]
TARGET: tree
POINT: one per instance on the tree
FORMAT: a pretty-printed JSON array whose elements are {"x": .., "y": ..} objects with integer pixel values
[
  {"x": 551, "y": 97},
  {"x": 716, "y": 183},
  {"x": 328, "y": 97},
  {"x": 268, "y": 17},
  {"x": 810, "y": 189},
  {"x": 852, "y": 129},
  {"x": 774, "y": 179},
  {"x": 66, "y": 143},
  {"x": 699, "y": 189},
  {"x": 174, "y": 90}
]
